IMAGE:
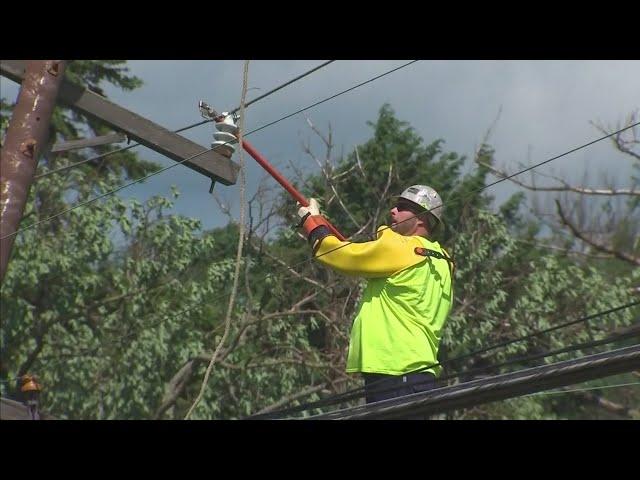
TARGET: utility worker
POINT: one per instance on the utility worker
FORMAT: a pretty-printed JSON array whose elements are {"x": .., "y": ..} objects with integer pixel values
[{"x": 396, "y": 333}]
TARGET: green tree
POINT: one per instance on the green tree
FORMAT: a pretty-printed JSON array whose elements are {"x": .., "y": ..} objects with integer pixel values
[
  {"x": 118, "y": 307},
  {"x": 504, "y": 288}
]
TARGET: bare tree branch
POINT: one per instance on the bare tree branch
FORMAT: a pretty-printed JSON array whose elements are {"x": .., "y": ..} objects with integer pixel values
[
  {"x": 608, "y": 405},
  {"x": 284, "y": 401},
  {"x": 326, "y": 170},
  {"x": 487, "y": 134},
  {"x": 360, "y": 230},
  {"x": 236, "y": 275},
  {"x": 381, "y": 200},
  {"x": 273, "y": 363},
  {"x": 176, "y": 385},
  {"x": 31, "y": 358},
  {"x": 603, "y": 248},
  {"x": 565, "y": 250},
  {"x": 565, "y": 186},
  {"x": 300, "y": 175},
  {"x": 364, "y": 175},
  {"x": 625, "y": 146},
  {"x": 292, "y": 271},
  {"x": 343, "y": 174},
  {"x": 327, "y": 141}
]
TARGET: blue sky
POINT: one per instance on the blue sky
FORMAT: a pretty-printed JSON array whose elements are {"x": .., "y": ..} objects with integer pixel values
[{"x": 546, "y": 109}]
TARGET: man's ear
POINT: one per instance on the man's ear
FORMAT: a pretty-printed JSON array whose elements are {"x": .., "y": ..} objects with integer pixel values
[{"x": 424, "y": 221}]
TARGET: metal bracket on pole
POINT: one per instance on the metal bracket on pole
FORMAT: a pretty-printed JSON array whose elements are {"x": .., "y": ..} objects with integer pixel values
[{"x": 88, "y": 142}]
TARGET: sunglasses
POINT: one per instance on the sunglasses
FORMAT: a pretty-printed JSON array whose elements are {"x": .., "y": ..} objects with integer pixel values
[{"x": 408, "y": 207}]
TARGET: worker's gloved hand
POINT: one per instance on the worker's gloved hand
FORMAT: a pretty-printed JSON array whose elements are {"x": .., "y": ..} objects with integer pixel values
[
  {"x": 313, "y": 224},
  {"x": 312, "y": 209}
]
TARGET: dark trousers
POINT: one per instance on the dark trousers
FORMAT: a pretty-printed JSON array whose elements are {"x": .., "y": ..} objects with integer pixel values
[{"x": 378, "y": 387}]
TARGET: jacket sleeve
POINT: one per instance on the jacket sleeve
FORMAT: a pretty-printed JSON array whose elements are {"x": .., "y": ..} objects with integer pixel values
[{"x": 383, "y": 257}]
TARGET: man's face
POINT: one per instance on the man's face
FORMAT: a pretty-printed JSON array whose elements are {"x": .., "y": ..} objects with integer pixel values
[{"x": 403, "y": 217}]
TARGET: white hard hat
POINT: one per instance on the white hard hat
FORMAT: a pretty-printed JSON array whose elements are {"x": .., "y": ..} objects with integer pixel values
[{"x": 426, "y": 197}]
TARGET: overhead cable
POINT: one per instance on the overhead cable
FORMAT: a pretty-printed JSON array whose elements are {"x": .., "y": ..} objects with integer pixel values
[{"x": 98, "y": 157}]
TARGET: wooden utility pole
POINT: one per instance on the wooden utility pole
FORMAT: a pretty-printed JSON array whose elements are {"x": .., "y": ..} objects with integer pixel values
[{"x": 25, "y": 139}]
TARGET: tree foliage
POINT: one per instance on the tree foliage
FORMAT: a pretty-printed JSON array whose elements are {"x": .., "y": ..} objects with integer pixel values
[{"x": 117, "y": 307}]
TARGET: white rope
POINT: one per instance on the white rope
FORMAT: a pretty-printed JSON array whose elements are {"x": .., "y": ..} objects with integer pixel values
[{"x": 236, "y": 274}]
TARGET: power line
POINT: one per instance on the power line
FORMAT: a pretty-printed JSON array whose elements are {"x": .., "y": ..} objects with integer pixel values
[
  {"x": 551, "y": 329},
  {"x": 602, "y": 387},
  {"x": 336, "y": 95},
  {"x": 496, "y": 388},
  {"x": 308, "y": 260},
  {"x": 356, "y": 395},
  {"x": 536, "y": 356},
  {"x": 550, "y": 353},
  {"x": 293, "y": 80},
  {"x": 110, "y": 192},
  {"x": 498, "y": 181},
  {"x": 348, "y": 243},
  {"x": 196, "y": 155},
  {"x": 463, "y": 198},
  {"x": 306, "y": 108},
  {"x": 98, "y": 157},
  {"x": 357, "y": 392},
  {"x": 287, "y": 116},
  {"x": 265, "y": 126},
  {"x": 468, "y": 197},
  {"x": 516, "y": 360},
  {"x": 283, "y": 85},
  {"x": 460, "y": 199}
]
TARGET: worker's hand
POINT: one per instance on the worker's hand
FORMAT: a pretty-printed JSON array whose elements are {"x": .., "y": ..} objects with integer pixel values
[
  {"x": 311, "y": 221},
  {"x": 312, "y": 209}
]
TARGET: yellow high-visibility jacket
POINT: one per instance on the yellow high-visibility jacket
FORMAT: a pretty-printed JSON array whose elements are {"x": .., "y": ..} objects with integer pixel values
[{"x": 404, "y": 306}]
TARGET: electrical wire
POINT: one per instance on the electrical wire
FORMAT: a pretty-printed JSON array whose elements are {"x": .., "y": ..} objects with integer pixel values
[
  {"x": 498, "y": 181},
  {"x": 77, "y": 164},
  {"x": 111, "y": 192},
  {"x": 358, "y": 392},
  {"x": 283, "y": 85},
  {"x": 317, "y": 103},
  {"x": 603, "y": 387},
  {"x": 98, "y": 157},
  {"x": 336, "y": 95},
  {"x": 348, "y": 243},
  {"x": 279, "y": 269},
  {"x": 508, "y": 385},
  {"x": 469, "y": 196}
]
